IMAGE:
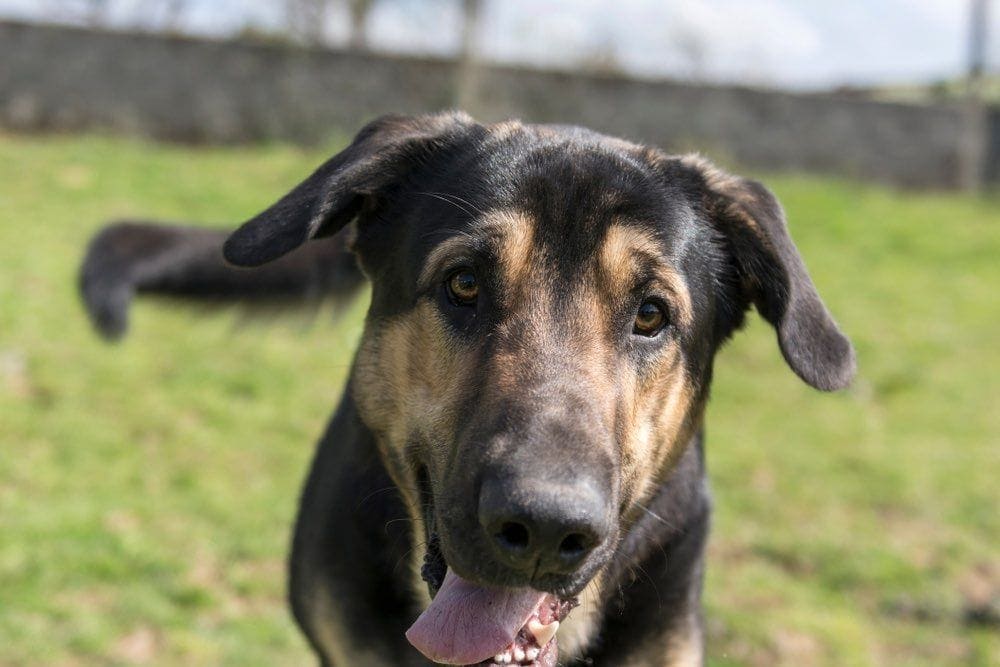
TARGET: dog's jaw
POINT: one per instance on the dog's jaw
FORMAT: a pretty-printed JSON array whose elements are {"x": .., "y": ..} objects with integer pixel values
[{"x": 534, "y": 643}]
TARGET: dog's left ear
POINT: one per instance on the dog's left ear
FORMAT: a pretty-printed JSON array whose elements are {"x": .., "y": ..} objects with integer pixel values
[
  {"x": 381, "y": 155},
  {"x": 773, "y": 274}
]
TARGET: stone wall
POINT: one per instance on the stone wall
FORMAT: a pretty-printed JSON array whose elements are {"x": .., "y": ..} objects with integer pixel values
[{"x": 184, "y": 89}]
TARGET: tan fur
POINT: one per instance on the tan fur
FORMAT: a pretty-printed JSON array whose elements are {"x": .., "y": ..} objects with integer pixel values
[
  {"x": 441, "y": 253},
  {"x": 411, "y": 380},
  {"x": 731, "y": 197},
  {"x": 623, "y": 245},
  {"x": 423, "y": 596},
  {"x": 514, "y": 236},
  {"x": 337, "y": 646},
  {"x": 410, "y": 376},
  {"x": 505, "y": 130},
  {"x": 715, "y": 178},
  {"x": 654, "y": 428},
  {"x": 651, "y": 409},
  {"x": 578, "y": 630},
  {"x": 684, "y": 647},
  {"x": 511, "y": 235}
]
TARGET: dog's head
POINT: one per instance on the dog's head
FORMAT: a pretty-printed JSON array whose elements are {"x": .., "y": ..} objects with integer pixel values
[{"x": 546, "y": 305}]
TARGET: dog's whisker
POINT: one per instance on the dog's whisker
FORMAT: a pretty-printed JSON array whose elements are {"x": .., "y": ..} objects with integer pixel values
[
  {"x": 652, "y": 582},
  {"x": 371, "y": 495},
  {"x": 656, "y": 516},
  {"x": 395, "y": 521},
  {"x": 406, "y": 554},
  {"x": 449, "y": 201},
  {"x": 464, "y": 201}
]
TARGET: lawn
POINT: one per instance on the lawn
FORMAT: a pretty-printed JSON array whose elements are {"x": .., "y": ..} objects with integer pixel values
[{"x": 147, "y": 488}]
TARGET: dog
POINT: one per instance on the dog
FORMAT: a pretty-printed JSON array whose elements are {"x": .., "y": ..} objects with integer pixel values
[{"x": 530, "y": 387}]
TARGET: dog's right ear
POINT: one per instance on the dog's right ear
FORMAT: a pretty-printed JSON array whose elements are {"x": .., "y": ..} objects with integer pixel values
[{"x": 381, "y": 155}]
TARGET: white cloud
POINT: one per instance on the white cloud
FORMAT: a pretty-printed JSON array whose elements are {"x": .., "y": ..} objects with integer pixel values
[
  {"x": 733, "y": 38},
  {"x": 428, "y": 26}
]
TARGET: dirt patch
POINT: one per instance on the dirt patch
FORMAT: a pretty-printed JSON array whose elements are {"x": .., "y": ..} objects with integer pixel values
[
  {"x": 138, "y": 647},
  {"x": 980, "y": 590}
]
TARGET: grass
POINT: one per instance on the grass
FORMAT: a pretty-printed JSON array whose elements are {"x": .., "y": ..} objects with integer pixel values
[{"x": 147, "y": 489}]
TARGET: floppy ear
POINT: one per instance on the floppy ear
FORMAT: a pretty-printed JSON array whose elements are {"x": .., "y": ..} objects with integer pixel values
[
  {"x": 774, "y": 276},
  {"x": 381, "y": 155}
]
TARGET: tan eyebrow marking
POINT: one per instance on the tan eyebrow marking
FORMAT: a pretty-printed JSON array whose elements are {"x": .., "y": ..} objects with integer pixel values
[
  {"x": 455, "y": 245},
  {"x": 514, "y": 234},
  {"x": 623, "y": 246},
  {"x": 510, "y": 233}
]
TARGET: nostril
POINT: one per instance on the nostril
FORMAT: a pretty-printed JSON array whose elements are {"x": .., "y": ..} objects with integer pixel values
[
  {"x": 574, "y": 546},
  {"x": 513, "y": 536}
]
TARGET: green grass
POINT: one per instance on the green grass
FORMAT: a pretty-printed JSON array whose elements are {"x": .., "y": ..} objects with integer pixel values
[{"x": 147, "y": 489}]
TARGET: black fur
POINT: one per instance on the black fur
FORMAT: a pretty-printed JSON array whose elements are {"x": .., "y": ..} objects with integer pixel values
[{"x": 410, "y": 183}]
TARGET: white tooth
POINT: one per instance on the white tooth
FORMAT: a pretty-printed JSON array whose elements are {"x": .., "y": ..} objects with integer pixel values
[
  {"x": 502, "y": 658},
  {"x": 518, "y": 653},
  {"x": 531, "y": 654},
  {"x": 542, "y": 633}
]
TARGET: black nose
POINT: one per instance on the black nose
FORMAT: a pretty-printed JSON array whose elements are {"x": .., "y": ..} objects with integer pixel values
[{"x": 538, "y": 526}]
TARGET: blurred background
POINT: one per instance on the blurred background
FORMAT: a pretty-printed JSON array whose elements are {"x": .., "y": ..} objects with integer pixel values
[
  {"x": 898, "y": 90},
  {"x": 147, "y": 489}
]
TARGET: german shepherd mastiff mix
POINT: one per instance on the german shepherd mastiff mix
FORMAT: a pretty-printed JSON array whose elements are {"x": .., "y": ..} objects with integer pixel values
[{"x": 530, "y": 387}]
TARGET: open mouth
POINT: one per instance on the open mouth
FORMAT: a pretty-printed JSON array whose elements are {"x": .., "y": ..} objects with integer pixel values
[{"x": 468, "y": 624}]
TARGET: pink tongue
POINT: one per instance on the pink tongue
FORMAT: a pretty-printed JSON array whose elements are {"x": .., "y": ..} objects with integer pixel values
[{"x": 466, "y": 624}]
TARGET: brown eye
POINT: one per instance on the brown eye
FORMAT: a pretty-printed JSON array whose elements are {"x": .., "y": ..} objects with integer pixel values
[
  {"x": 649, "y": 319},
  {"x": 463, "y": 288}
]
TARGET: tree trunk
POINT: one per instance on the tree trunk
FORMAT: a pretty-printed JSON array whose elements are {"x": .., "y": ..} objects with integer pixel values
[{"x": 468, "y": 75}]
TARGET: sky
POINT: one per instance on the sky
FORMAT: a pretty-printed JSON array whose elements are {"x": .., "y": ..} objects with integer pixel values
[{"x": 802, "y": 44}]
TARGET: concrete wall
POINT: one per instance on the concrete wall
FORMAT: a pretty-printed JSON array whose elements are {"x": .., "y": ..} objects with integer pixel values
[{"x": 207, "y": 91}]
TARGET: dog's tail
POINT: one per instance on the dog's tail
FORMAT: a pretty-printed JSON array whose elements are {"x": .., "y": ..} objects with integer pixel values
[{"x": 128, "y": 258}]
